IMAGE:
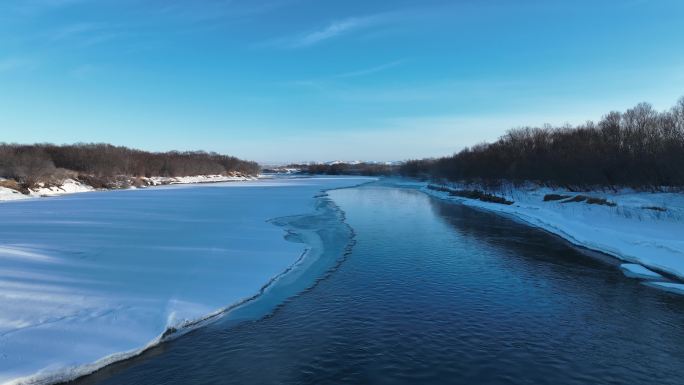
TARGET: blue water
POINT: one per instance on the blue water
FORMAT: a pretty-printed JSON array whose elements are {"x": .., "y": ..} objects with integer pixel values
[{"x": 434, "y": 292}]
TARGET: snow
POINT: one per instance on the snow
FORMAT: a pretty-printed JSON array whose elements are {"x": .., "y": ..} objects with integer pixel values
[
  {"x": 633, "y": 270},
  {"x": 69, "y": 186},
  {"x": 672, "y": 287},
  {"x": 157, "y": 180},
  {"x": 8, "y": 194},
  {"x": 631, "y": 230},
  {"x": 89, "y": 279}
]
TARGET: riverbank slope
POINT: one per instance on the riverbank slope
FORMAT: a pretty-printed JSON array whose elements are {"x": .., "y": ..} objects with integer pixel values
[
  {"x": 10, "y": 191},
  {"x": 645, "y": 228}
]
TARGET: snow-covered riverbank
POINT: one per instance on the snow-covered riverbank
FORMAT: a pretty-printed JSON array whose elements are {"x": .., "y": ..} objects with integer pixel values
[
  {"x": 157, "y": 180},
  {"x": 70, "y": 186},
  {"x": 637, "y": 227},
  {"x": 89, "y": 279}
]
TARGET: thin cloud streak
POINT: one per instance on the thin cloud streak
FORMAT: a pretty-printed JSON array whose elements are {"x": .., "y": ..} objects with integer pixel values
[
  {"x": 335, "y": 29},
  {"x": 219, "y": 11},
  {"x": 76, "y": 29},
  {"x": 84, "y": 71},
  {"x": 15, "y": 63},
  {"x": 326, "y": 83},
  {"x": 370, "y": 71},
  {"x": 85, "y": 34}
]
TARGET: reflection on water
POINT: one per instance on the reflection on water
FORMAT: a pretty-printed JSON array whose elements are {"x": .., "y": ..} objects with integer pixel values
[{"x": 439, "y": 293}]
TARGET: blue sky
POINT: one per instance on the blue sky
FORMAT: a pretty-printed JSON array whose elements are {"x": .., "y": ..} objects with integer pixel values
[{"x": 297, "y": 80}]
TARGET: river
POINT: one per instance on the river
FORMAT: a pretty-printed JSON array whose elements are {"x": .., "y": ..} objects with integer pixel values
[{"x": 435, "y": 292}]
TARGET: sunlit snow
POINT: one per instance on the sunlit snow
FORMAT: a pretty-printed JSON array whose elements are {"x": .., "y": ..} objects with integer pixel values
[
  {"x": 632, "y": 230},
  {"x": 87, "y": 276}
]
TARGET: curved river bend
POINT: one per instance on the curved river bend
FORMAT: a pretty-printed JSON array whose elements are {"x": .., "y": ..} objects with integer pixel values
[{"x": 434, "y": 292}]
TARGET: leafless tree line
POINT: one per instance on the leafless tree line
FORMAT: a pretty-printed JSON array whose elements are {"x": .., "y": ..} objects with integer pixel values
[
  {"x": 43, "y": 162},
  {"x": 371, "y": 169},
  {"x": 640, "y": 147}
]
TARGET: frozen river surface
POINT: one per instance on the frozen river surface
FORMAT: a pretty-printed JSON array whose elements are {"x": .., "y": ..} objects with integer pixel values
[{"x": 90, "y": 278}]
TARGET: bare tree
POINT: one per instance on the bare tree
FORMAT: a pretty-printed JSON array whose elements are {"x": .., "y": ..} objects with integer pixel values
[
  {"x": 40, "y": 162},
  {"x": 640, "y": 147}
]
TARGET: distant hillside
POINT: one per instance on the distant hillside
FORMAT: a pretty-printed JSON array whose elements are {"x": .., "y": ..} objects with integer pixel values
[
  {"x": 100, "y": 164},
  {"x": 344, "y": 168},
  {"x": 638, "y": 148}
]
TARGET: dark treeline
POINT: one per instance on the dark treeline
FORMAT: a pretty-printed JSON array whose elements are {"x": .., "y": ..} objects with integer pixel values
[
  {"x": 45, "y": 162},
  {"x": 370, "y": 169},
  {"x": 640, "y": 147}
]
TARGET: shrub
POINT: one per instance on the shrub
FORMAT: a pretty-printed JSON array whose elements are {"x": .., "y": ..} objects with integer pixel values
[
  {"x": 575, "y": 199},
  {"x": 590, "y": 200},
  {"x": 481, "y": 196},
  {"x": 471, "y": 194},
  {"x": 13, "y": 185},
  {"x": 555, "y": 197},
  {"x": 600, "y": 201}
]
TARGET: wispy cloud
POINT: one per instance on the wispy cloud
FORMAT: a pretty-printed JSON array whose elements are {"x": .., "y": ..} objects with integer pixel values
[
  {"x": 76, "y": 29},
  {"x": 370, "y": 71},
  {"x": 84, "y": 71},
  {"x": 332, "y": 30},
  {"x": 335, "y": 81},
  {"x": 218, "y": 10},
  {"x": 85, "y": 33},
  {"x": 363, "y": 93},
  {"x": 15, "y": 63}
]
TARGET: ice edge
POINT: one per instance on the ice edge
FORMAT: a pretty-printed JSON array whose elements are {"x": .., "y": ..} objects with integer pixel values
[
  {"x": 548, "y": 227},
  {"x": 68, "y": 374}
]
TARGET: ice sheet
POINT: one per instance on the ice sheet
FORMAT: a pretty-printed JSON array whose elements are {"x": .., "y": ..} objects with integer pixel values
[{"x": 88, "y": 277}]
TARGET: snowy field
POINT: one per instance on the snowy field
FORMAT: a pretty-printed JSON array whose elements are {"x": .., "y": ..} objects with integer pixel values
[
  {"x": 642, "y": 228},
  {"x": 86, "y": 279}
]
